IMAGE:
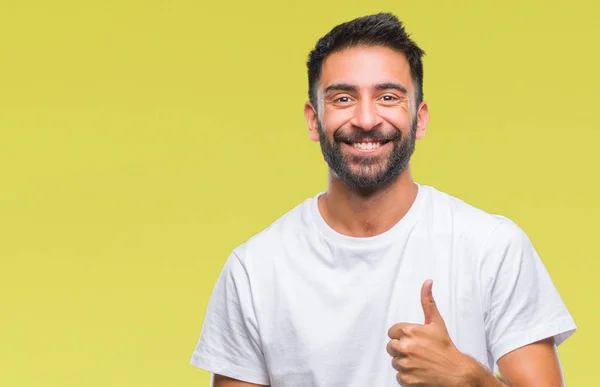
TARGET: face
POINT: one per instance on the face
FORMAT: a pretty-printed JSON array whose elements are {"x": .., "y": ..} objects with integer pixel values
[{"x": 366, "y": 121}]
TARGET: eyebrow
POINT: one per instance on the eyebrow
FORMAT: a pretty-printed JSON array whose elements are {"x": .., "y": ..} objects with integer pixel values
[
  {"x": 340, "y": 87},
  {"x": 391, "y": 85},
  {"x": 353, "y": 88}
]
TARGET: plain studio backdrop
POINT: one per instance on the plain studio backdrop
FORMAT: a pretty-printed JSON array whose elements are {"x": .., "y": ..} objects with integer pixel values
[{"x": 141, "y": 141}]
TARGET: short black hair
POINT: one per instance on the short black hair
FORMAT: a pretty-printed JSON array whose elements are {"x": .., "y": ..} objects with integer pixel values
[{"x": 381, "y": 29}]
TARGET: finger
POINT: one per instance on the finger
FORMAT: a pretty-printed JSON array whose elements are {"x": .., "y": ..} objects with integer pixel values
[
  {"x": 397, "y": 331},
  {"x": 392, "y": 348},
  {"x": 430, "y": 310},
  {"x": 408, "y": 378},
  {"x": 401, "y": 363}
]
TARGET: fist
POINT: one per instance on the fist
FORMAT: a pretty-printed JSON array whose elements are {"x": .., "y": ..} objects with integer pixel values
[{"x": 423, "y": 354}]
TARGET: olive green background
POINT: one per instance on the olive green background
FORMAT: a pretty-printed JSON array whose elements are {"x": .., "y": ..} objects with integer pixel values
[{"x": 141, "y": 141}]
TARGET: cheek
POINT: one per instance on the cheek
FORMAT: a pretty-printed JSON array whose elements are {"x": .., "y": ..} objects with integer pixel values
[
  {"x": 335, "y": 119},
  {"x": 399, "y": 119}
]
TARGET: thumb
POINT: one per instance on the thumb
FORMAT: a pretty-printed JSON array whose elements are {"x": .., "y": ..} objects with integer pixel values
[{"x": 430, "y": 310}]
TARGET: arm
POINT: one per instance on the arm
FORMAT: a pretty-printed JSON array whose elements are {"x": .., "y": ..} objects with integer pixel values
[
  {"x": 534, "y": 365},
  {"x": 224, "y": 381},
  {"x": 525, "y": 317}
]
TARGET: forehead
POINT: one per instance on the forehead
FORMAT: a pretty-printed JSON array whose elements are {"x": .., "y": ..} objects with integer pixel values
[{"x": 366, "y": 66}]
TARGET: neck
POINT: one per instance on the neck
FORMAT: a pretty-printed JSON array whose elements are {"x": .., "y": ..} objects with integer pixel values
[{"x": 358, "y": 213}]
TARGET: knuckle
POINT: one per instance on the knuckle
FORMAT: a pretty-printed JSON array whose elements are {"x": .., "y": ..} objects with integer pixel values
[
  {"x": 396, "y": 364},
  {"x": 391, "y": 348},
  {"x": 411, "y": 330},
  {"x": 403, "y": 363},
  {"x": 404, "y": 347},
  {"x": 407, "y": 379},
  {"x": 394, "y": 331},
  {"x": 402, "y": 379}
]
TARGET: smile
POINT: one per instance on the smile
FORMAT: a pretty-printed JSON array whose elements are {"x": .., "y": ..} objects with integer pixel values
[{"x": 366, "y": 146}]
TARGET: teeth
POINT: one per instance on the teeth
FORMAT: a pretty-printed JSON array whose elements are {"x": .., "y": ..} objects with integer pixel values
[{"x": 367, "y": 145}]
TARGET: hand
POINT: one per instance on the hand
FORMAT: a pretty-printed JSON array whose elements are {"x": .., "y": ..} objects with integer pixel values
[{"x": 424, "y": 355}]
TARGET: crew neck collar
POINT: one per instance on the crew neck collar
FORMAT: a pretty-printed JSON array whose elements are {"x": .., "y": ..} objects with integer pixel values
[{"x": 329, "y": 233}]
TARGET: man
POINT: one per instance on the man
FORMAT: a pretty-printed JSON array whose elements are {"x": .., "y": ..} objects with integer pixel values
[{"x": 381, "y": 281}]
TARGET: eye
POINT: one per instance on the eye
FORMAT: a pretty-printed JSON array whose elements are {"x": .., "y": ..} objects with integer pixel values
[
  {"x": 389, "y": 98},
  {"x": 342, "y": 99}
]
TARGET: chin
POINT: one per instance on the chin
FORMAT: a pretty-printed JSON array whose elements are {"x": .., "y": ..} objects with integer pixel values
[{"x": 368, "y": 183}]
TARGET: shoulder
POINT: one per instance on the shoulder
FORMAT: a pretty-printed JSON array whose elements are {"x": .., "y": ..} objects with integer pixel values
[
  {"x": 495, "y": 241},
  {"x": 468, "y": 223},
  {"x": 284, "y": 232},
  {"x": 444, "y": 207}
]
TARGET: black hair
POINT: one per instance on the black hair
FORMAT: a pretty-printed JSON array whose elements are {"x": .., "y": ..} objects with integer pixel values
[{"x": 381, "y": 29}]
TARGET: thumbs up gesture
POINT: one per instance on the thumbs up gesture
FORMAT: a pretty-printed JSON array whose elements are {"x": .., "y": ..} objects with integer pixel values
[{"x": 424, "y": 355}]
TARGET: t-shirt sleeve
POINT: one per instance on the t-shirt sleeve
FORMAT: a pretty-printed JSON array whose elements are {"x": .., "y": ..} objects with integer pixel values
[
  {"x": 521, "y": 303},
  {"x": 229, "y": 342}
]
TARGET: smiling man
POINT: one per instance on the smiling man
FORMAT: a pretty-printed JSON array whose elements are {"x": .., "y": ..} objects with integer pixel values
[{"x": 381, "y": 281}]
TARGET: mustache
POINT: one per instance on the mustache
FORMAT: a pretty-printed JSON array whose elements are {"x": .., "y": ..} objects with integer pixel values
[{"x": 374, "y": 135}]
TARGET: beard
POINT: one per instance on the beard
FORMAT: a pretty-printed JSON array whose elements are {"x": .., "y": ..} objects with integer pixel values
[{"x": 368, "y": 172}]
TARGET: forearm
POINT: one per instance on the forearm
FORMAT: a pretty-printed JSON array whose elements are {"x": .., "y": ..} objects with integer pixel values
[
  {"x": 479, "y": 376},
  {"x": 489, "y": 380}
]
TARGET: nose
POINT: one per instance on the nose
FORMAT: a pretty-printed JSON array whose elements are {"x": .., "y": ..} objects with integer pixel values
[{"x": 366, "y": 115}]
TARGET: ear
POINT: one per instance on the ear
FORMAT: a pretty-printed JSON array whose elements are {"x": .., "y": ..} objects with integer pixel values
[
  {"x": 310, "y": 113},
  {"x": 422, "y": 120}
]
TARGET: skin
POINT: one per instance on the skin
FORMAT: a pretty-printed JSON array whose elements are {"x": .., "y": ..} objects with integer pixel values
[{"x": 423, "y": 354}]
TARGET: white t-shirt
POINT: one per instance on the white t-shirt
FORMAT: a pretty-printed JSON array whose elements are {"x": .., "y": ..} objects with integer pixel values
[{"x": 301, "y": 305}]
